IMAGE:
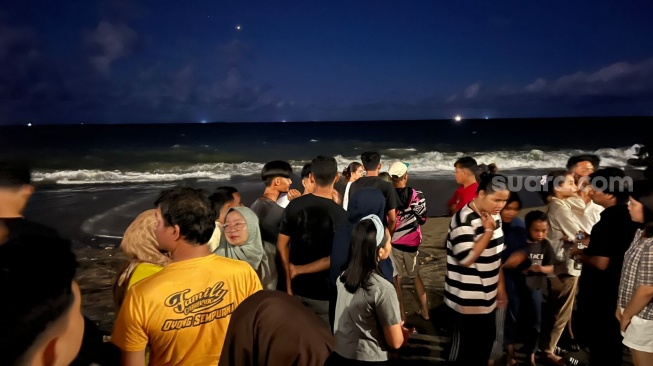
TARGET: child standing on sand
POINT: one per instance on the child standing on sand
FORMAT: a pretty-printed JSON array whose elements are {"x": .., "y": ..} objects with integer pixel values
[{"x": 542, "y": 257}]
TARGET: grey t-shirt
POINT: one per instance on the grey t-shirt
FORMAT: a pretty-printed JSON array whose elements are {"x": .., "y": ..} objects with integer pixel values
[
  {"x": 360, "y": 318},
  {"x": 269, "y": 215}
]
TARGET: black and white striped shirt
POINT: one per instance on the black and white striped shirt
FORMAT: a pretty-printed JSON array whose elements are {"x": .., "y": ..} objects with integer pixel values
[{"x": 473, "y": 289}]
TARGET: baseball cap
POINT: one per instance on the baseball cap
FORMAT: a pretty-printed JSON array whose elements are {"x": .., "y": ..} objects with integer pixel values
[{"x": 398, "y": 169}]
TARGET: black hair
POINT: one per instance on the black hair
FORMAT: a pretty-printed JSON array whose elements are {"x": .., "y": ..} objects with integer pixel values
[
  {"x": 14, "y": 174},
  {"x": 611, "y": 181},
  {"x": 491, "y": 183},
  {"x": 514, "y": 197},
  {"x": 551, "y": 180},
  {"x": 362, "y": 260},
  {"x": 306, "y": 171},
  {"x": 351, "y": 169},
  {"x": 324, "y": 170},
  {"x": 466, "y": 162},
  {"x": 222, "y": 196},
  {"x": 370, "y": 160},
  {"x": 535, "y": 215},
  {"x": 594, "y": 159},
  {"x": 643, "y": 193},
  {"x": 273, "y": 169},
  {"x": 32, "y": 302},
  {"x": 191, "y": 210}
]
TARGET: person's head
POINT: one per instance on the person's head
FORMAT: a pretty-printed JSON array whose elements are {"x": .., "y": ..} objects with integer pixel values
[
  {"x": 537, "y": 225},
  {"x": 183, "y": 215},
  {"x": 492, "y": 193},
  {"x": 240, "y": 225},
  {"x": 641, "y": 205},
  {"x": 139, "y": 241},
  {"x": 559, "y": 184},
  {"x": 583, "y": 165},
  {"x": 609, "y": 187},
  {"x": 370, "y": 243},
  {"x": 15, "y": 187},
  {"x": 276, "y": 174},
  {"x": 398, "y": 172},
  {"x": 307, "y": 183},
  {"x": 371, "y": 161},
  {"x": 353, "y": 171},
  {"x": 512, "y": 207},
  {"x": 385, "y": 176},
  {"x": 224, "y": 198},
  {"x": 324, "y": 171},
  {"x": 465, "y": 170},
  {"x": 40, "y": 315}
]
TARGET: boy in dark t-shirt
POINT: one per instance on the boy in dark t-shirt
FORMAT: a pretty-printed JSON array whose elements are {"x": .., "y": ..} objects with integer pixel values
[
  {"x": 306, "y": 235},
  {"x": 542, "y": 257}
]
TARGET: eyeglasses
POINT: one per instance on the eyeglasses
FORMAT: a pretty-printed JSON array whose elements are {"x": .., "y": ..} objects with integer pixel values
[{"x": 236, "y": 226}]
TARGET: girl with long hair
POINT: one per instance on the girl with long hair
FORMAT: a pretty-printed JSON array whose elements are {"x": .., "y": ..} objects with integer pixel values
[{"x": 367, "y": 318}]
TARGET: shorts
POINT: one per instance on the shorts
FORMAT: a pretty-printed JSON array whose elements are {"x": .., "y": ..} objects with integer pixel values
[
  {"x": 405, "y": 263},
  {"x": 639, "y": 335}
]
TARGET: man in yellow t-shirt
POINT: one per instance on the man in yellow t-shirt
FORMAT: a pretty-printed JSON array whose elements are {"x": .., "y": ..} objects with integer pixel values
[{"x": 183, "y": 311}]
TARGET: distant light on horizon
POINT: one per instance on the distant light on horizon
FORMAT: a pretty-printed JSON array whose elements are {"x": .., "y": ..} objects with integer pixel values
[
  {"x": 486, "y": 117},
  {"x": 284, "y": 121},
  {"x": 29, "y": 125},
  {"x": 203, "y": 121},
  {"x": 238, "y": 27},
  {"x": 458, "y": 118}
]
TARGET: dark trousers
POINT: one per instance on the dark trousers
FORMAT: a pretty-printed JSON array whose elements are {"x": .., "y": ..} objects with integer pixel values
[
  {"x": 472, "y": 339},
  {"x": 603, "y": 335},
  {"x": 535, "y": 320},
  {"x": 514, "y": 302}
]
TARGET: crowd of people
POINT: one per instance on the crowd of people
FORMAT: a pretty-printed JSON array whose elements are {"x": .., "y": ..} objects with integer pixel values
[{"x": 315, "y": 277}]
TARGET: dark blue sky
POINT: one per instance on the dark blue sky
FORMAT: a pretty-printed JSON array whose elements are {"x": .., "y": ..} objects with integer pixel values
[{"x": 186, "y": 61}]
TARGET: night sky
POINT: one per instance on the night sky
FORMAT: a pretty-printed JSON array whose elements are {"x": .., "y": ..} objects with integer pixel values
[{"x": 84, "y": 61}]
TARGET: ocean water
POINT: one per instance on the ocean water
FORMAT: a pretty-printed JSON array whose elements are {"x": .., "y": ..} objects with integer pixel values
[{"x": 108, "y": 154}]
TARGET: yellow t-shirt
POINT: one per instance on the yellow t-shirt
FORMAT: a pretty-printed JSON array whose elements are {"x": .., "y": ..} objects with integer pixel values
[
  {"x": 143, "y": 271},
  {"x": 183, "y": 311}
]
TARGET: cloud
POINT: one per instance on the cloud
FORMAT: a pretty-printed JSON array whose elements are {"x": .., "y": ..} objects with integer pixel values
[
  {"x": 472, "y": 90},
  {"x": 109, "y": 42}
]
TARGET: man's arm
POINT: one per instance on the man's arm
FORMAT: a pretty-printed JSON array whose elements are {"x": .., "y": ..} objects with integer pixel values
[
  {"x": 319, "y": 265},
  {"x": 596, "y": 261},
  {"x": 134, "y": 358},
  {"x": 392, "y": 221},
  {"x": 284, "y": 253}
]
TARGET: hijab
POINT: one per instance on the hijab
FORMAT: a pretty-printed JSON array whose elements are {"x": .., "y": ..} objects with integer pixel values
[
  {"x": 253, "y": 251},
  {"x": 367, "y": 201},
  {"x": 260, "y": 333},
  {"x": 140, "y": 244}
]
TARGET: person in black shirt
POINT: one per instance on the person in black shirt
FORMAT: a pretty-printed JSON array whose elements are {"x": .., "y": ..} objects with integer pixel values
[
  {"x": 602, "y": 262},
  {"x": 305, "y": 240},
  {"x": 15, "y": 191}
]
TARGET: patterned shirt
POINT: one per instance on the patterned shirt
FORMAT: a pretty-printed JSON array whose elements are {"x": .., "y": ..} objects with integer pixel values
[
  {"x": 637, "y": 271},
  {"x": 473, "y": 289}
]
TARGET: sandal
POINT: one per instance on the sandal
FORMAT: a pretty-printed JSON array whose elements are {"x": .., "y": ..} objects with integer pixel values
[
  {"x": 559, "y": 351},
  {"x": 574, "y": 346},
  {"x": 572, "y": 361}
]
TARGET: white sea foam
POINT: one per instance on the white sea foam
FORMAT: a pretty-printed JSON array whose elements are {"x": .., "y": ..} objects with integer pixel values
[{"x": 425, "y": 164}]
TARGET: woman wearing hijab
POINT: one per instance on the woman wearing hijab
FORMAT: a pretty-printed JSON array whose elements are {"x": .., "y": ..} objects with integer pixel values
[
  {"x": 367, "y": 201},
  {"x": 260, "y": 333},
  {"x": 242, "y": 241},
  {"x": 140, "y": 244}
]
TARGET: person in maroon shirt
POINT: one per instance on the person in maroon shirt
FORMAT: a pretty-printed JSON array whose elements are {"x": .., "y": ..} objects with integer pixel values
[{"x": 465, "y": 176}]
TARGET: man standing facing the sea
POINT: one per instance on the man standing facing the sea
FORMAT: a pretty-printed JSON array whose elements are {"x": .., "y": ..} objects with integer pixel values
[
  {"x": 15, "y": 191},
  {"x": 182, "y": 312},
  {"x": 465, "y": 176},
  {"x": 306, "y": 237},
  {"x": 372, "y": 163}
]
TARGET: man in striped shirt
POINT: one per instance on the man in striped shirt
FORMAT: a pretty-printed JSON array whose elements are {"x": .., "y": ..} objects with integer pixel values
[{"x": 474, "y": 281}]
